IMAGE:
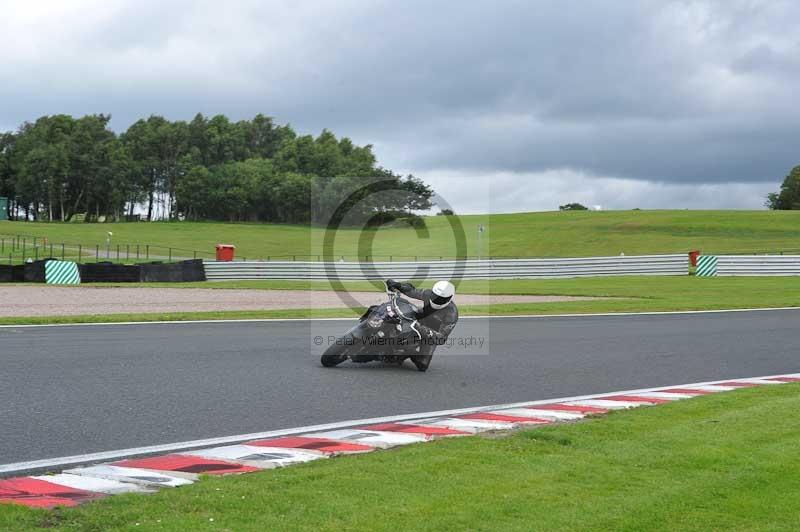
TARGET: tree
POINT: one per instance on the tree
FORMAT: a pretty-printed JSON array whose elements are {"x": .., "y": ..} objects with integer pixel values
[
  {"x": 92, "y": 150},
  {"x": 7, "y": 184},
  {"x": 292, "y": 198},
  {"x": 788, "y": 198},
  {"x": 208, "y": 168},
  {"x": 771, "y": 201},
  {"x": 193, "y": 192},
  {"x": 157, "y": 148},
  {"x": 572, "y": 207}
]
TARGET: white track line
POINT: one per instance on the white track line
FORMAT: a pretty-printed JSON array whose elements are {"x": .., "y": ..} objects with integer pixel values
[
  {"x": 513, "y": 316},
  {"x": 57, "y": 463}
]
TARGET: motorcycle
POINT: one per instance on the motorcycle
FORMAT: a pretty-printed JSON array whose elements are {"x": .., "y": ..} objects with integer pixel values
[{"x": 385, "y": 333}]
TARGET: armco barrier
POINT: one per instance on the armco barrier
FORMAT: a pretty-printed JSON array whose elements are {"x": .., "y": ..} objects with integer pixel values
[
  {"x": 6, "y": 273},
  {"x": 731, "y": 265},
  {"x": 109, "y": 272},
  {"x": 34, "y": 271},
  {"x": 466, "y": 269},
  {"x": 178, "y": 272}
]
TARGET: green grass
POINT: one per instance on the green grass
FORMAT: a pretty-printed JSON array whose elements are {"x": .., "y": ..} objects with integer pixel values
[
  {"x": 628, "y": 294},
  {"x": 722, "y": 462},
  {"x": 545, "y": 234},
  {"x": 180, "y": 316}
]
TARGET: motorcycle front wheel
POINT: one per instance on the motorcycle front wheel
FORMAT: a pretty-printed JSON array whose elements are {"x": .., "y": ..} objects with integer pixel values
[
  {"x": 337, "y": 353},
  {"x": 422, "y": 362}
]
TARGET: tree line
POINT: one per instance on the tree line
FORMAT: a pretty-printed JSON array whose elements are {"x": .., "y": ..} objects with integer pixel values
[
  {"x": 788, "y": 197},
  {"x": 205, "y": 169}
]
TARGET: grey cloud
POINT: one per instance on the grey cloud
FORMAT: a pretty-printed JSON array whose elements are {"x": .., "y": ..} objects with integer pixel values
[
  {"x": 545, "y": 191},
  {"x": 659, "y": 92},
  {"x": 763, "y": 59}
]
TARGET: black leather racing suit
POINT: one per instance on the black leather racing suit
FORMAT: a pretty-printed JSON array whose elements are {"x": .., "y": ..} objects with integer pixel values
[{"x": 434, "y": 325}]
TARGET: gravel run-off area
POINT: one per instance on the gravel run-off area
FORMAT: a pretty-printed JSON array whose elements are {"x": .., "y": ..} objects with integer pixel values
[{"x": 42, "y": 300}]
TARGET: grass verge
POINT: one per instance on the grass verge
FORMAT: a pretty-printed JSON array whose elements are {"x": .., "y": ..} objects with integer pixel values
[
  {"x": 722, "y": 462},
  {"x": 180, "y": 316},
  {"x": 628, "y": 294}
]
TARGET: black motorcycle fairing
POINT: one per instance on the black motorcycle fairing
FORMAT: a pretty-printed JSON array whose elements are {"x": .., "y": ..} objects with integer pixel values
[
  {"x": 384, "y": 332},
  {"x": 367, "y": 312}
]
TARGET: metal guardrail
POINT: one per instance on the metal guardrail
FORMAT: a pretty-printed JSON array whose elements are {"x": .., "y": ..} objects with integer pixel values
[
  {"x": 466, "y": 269},
  {"x": 730, "y": 265}
]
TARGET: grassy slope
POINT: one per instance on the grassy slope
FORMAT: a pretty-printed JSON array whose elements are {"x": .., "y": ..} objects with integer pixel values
[
  {"x": 722, "y": 462},
  {"x": 632, "y": 294},
  {"x": 553, "y": 234}
]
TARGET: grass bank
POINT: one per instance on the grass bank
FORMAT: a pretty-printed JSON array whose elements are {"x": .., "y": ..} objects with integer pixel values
[
  {"x": 721, "y": 462},
  {"x": 542, "y": 234}
]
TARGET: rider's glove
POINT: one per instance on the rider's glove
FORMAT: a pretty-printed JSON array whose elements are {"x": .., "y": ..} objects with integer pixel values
[
  {"x": 391, "y": 284},
  {"x": 421, "y": 330}
]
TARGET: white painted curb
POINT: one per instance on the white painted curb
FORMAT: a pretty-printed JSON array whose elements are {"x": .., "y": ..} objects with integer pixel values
[{"x": 595, "y": 400}]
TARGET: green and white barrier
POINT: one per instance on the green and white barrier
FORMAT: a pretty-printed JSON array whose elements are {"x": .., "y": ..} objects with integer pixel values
[
  {"x": 706, "y": 266},
  {"x": 61, "y": 272}
]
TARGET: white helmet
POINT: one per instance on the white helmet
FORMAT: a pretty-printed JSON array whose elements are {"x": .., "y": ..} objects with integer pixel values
[{"x": 443, "y": 292}]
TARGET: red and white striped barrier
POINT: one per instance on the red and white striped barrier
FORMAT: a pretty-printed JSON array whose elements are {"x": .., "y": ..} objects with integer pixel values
[{"x": 143, "y": 475}]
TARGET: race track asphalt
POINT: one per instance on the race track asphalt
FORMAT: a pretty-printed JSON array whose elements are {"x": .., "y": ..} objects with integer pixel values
[{"x": 81, "y": 389}]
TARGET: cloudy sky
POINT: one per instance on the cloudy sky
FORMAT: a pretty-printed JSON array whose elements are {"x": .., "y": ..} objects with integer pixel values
[{"x": 501, "y": 105}]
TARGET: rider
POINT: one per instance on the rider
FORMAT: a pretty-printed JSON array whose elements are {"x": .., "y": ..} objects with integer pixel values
[{"x": 437, "y": 320}]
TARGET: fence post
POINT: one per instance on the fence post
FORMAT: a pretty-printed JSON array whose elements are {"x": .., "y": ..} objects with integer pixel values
[
  {"x": 137, "y": 251},
  {"x": 63, "y": 251},
  {"x": 195, "y": 254},
  {"x": 127, "y": 252},
  {"x": 117, "y": 251},
  {"x": 80, "y": 252},
  {"x": 51, "y": 249},
  {"x": 3, "y": 245},
  {"x": 97, "y": 252},
  {"x": 147, "y": 249}
]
